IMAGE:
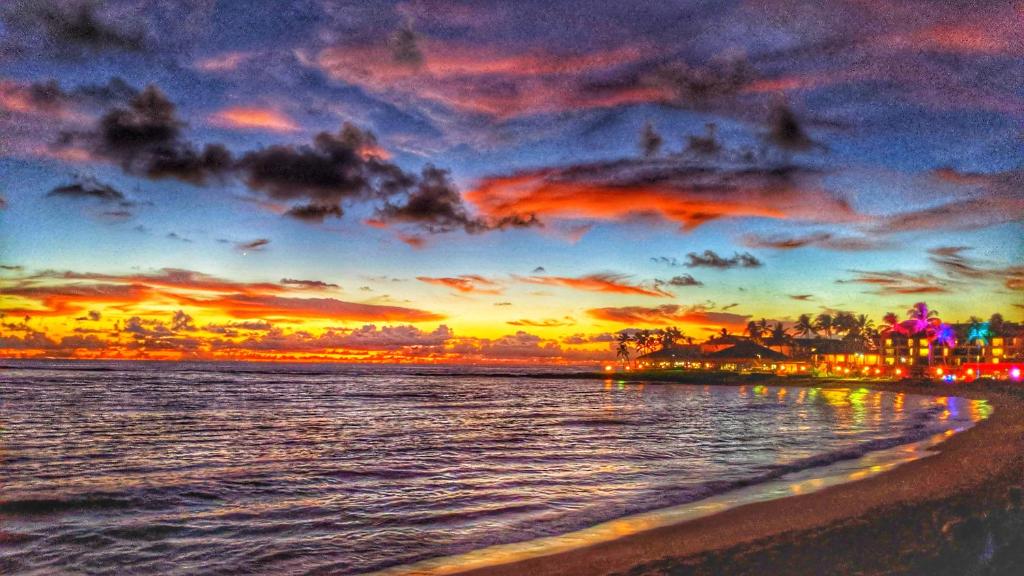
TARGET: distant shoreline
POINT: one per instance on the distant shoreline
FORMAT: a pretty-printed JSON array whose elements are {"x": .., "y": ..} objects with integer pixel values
[{"x": 952, "y": 513}]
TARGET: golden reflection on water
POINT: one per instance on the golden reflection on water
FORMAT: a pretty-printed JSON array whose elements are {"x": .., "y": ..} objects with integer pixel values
[{"x": 979, "y": 410}]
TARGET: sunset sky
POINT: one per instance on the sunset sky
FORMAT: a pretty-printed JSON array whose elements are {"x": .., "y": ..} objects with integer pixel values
[{"x": 497, "y": 181}]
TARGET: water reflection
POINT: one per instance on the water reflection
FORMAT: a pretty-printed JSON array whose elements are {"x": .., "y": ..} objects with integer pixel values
[{"x": 198, "y": 465}]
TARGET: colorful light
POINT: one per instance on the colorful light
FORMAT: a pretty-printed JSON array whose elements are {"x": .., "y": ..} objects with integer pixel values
[
  {"x": 608, "y": 368},
  {"x": 1015, "y": 373}
]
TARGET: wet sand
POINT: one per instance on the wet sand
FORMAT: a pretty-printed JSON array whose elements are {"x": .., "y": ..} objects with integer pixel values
[{"x": 957, "y": 512}]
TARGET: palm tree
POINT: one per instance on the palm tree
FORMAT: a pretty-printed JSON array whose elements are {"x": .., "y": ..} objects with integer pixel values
[
  {"x": 778, "y": 335},
  {"x": 977, "y": 332},
  {"x": 996, "y": 324},
  {"x": 804, "y": 326},
  {"x": 669, "y": 337},
  {"x": 824, "y": 323},
  {"x": 622, "y": 352},
  {"x": 861, "y": 329},
  {"x": 643, "y": 341},
  {"x": 763, "y": 327},
  {"x": 753, "y": 330},
  {"x": 926, "y": 323},
  {"x": 921, "y": 311},
  {"x": 844, "y": 322},
  {"x": 891, "y": 321}
]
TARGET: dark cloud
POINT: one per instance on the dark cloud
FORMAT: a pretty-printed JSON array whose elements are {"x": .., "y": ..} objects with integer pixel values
[
  {"x": 538, "y": 270},
  {"x": 316, "y": 284},
  {"x": 315, "y": 212},
  {"x": 680, "y": 281},
  {"x": 826, "y": 240},
  {"x": 182, "y": 322},
  {"x": 326, "y": 173},
  {"x": 706, "y": 145},
  {"x": 88, "y": 189},
  {"x": 146, "y": 328},
  {"x": 75, "y": 28},
  {"x": 145, "y": 138},
  {"x": 702, "y": 87},
  {"x": 49, "y": 95},
  {"x": 435, "y": 205},
  {"x": 786, "y": 131},
  {"x": 178, "y": 237},
  {"x": 405, "y": 48},
  {"x": 711, "y": 259},
  {"x": 650, "y": 140},
  {"x": 801, "y": 297},
  {"x": 667, "y": 260},
  {"x": 11, "y": 267},
  {"x": 253, "y": 245}
]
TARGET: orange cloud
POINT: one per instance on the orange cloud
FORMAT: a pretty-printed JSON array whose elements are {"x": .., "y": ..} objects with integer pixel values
[
  {"x": 263, "y": 306},
  {"x": 223, "y": 62},
  {"x": 667, "y": 314},
  {"x": 253, "y": 118},
  {"x": 665, "y": 188},
  {"x": 962, "y": 38},
  {"x": 489, "y": 81},
  {"x": 896, "y": 282},
  {"x": 614, "y": 283},
  {"x": 72, "y": 299},
  {"x": 176, "y": 278},
  {"x": 194, "y": 289},
  {"x": 465, "y": 283}
]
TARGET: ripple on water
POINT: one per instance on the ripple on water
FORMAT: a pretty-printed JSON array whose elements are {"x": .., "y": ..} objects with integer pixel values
[{"x": 186, "y": 468}]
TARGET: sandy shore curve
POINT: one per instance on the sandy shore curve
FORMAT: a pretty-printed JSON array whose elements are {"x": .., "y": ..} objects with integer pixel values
[{"x": 956, "y": 512}]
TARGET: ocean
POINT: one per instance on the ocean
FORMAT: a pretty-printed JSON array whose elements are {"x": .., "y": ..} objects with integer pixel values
[{"x": 207, "y": 468}]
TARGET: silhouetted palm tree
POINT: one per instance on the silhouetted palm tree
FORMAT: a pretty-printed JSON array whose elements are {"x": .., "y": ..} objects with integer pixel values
[
  {"x": 862, "y": 329},
  {"x": 804, "y": 326},
  {"x": 753, "y": 330},
  {"x": 778, "y": 335},
  {"x": 996, "y": 324},
  {"x": 669, "y": 337},
  {"x": 643, "y": 340},
  {"x": 622, "y": 352},
  {"x": 844, "y": 322},
  {"x": 824, "y": 323},
  {"x": 891, "y": 321}
]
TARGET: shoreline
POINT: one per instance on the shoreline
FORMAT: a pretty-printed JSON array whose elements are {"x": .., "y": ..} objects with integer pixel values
[{"x": 955, "y": 511}]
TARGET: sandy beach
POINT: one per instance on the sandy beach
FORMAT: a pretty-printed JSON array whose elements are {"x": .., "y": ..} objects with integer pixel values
[{"x": 957, "y": 512}]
